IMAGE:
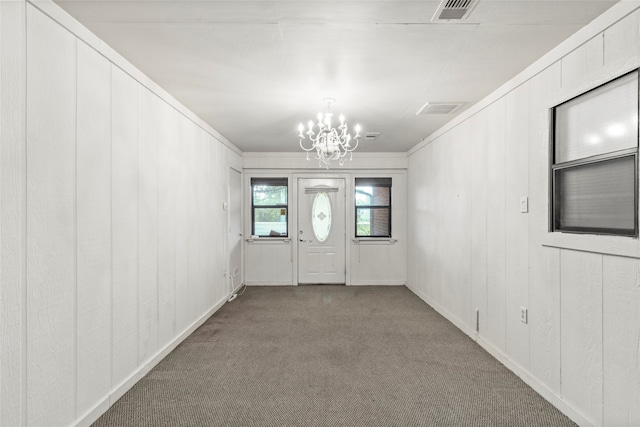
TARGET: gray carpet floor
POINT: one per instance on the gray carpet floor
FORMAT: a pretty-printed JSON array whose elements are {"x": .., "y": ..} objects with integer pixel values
[{"x": 330, "y": 356}]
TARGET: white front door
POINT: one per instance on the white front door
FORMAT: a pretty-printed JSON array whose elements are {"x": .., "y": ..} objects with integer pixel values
[{"x": 321, "y": 231}]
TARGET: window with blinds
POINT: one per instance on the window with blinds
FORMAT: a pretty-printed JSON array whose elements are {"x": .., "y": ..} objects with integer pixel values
[
  {"x": 373, "y": 207},
  {"x": 595, "y": 161},
  {"x": 269, "y": 207}
]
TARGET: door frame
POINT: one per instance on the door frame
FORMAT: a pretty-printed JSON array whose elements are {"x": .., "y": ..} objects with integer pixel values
[
  {"x": 228, "y": 268},
  {"x": 293, "y": 210}
]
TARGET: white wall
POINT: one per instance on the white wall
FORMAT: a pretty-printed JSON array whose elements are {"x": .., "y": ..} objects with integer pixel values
[
  {"x": 274, "y": 261},
  {"x": 111, "y": 217},
  {"x": 471, "y": 248}
]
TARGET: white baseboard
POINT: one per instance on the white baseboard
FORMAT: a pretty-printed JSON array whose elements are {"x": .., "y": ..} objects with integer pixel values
[
  {"x": 236, "y": 289},
  {"x": 444, "y": 312},
  {"x": 550, "y": 395},
  {"x": 376, "y": 283},
  {"x": 252, "y": 283},
  {"x": 118, "y": 391}
]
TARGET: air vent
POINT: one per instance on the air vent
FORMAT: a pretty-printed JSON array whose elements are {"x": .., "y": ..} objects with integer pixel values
[
  {"x": 439, "y": 107},
  {"x": 371, "y": 136},
  {"x": 453, "y": 10}
]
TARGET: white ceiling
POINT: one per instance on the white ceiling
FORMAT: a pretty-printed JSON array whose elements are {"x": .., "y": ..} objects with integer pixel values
[{"x": 253, "y": 69}]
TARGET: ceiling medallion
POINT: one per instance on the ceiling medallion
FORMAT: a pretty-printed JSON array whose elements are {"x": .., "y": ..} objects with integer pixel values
[{"x": 330, "y": 144}]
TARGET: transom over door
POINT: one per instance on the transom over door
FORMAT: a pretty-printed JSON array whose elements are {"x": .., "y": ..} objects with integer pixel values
[{"x": 321, "y": 231}]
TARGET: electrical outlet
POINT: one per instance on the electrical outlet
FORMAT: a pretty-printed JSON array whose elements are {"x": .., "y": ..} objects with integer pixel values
[{"x": 524, "y": 315}]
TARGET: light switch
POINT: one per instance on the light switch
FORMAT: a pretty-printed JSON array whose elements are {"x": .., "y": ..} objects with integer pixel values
[
  {"x": 524, "y": 204},
  {"x": 225, "y": 206}
]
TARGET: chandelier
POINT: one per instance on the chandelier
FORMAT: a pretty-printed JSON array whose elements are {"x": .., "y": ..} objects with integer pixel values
[{"x": 329, "y": 143}]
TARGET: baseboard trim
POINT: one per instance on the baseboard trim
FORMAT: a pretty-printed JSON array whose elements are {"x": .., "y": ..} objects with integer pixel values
[
  {"x": 117, "y": 392},
  {"x": 542, "y": 389},
  {"x": 250, "y": 283},
  {"x": 444, "y": 312},
  {"x": 376, "y": 283}
]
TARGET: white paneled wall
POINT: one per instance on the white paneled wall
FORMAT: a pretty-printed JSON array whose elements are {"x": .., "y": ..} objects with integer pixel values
[
  {"x": 51, "y": 222},
  {"x": 12, "y": 217},
  {"x": 124, "y": 233},
  {"x": 581, "y": 345},
  {"x": 112, "y": 218},
  {"x": 93, "y": 225},
  {"x": 544, "y": 262}
]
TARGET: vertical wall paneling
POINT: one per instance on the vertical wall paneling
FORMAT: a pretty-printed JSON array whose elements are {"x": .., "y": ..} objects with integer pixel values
[
  {"x": 544, "y": 264},
  {"x": 107, "y": 193},
  {"x": 453, "y": 212},
  {"x": 93, "y": 228},
  {"x": 412, "y": 214},
  {"x": 427, "y": 223},
  {"x": 583, "y": 64},
  {"x": 167, "y": 169},
  {"x": 196, "y": 256},
  {"x": 478, "y": 222},
  {"x": 581, "y": 331},
  {"x": 148, "y": 125},
  {"x": 218, "y": 245},
  {"x": 580, "y": 347},
  {"x": 183, "y": 290},
  {"x": 191, "y": 151},
  {"x": 210, "y": 194},
  {"x": 621, "y": 346},
  {"x": 516, "y": 222},
  {"x": 124, "y": 216},
  {"x": 12, "y": 213},
  {"x": 496, "y": 251},
  {"x": 268, "y": 263},
  {"x": 441, "y": 187},
  {"x": 51, "y": 228},
  {"x": 621, "y": 47}
]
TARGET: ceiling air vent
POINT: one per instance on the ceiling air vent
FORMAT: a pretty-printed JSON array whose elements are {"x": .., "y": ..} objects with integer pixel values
[
  {"x": 453, "y": 10},
  {"x": 371, "y": 136},
  {"x": 439, "y": 107}
]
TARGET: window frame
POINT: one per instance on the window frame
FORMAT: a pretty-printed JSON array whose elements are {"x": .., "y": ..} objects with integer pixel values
[
  {"x": 275, "y": 182},
  {"x": 554, "y": 203},
  {"x": 381, "y": 183}
]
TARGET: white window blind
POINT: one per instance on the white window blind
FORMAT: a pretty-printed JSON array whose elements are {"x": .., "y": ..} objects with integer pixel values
[{"x": 597, "y": 195}]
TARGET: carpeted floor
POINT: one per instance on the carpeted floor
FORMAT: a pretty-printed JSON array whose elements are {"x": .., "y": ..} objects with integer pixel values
[{"x": 330, "y": 356}]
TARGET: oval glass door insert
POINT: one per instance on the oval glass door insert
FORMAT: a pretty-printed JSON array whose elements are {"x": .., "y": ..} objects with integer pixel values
[{"x": 321, "y": 216}]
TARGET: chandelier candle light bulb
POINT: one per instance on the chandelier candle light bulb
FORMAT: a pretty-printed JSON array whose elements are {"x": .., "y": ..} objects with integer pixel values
[{"x": 330, "y": 143}]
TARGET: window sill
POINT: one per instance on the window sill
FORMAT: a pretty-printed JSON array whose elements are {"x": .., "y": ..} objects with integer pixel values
[
  {"x": 374, "y": 240},
  {"x": 267, "y": 240},
  {"x": 601, "y": 244}
]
